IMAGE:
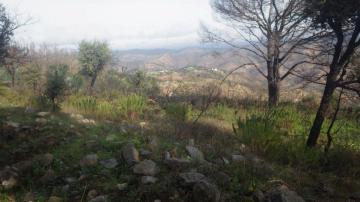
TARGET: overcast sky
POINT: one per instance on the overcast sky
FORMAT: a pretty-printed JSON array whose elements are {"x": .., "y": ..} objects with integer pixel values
[{"x": 126, "y": 24}]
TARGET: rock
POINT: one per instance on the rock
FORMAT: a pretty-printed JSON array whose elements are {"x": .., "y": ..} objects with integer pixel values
[
  {"x": 148, "y": 179},
  {"x": 48, "y": 177},
  {"x": 282, "y": 194},
  {"x": 122, "y": 186},
  {"x": 258, "y": 196},
  {"x": 55, "y": 199},
  {"x": 43, "y": 114},
  {"x": 89, "y": 160},
  {"x": 92, "y": 194},
  {"x": 222, "y": 178},
  {"x": 195, "y": 153},
  {"x": 237, "y": 158},
  {"x": 355, "y": 196},
  {"x": 192, "y": 177},
  {"x": 191, "y": 142},
  {"x": 9, "y": 183},
  {"x": 145, "y": 153},
  {"x": 46, "y": 159},
  {"x": 157, "y": 200},
  {"x": 29, "y": 197},
  {"x": 13, "y": 124},
  {"x": 70, "y": 180},
  {"x": 77, "y": 116},
  {"x": 65, "y": 189},
  {"x": 153, "y": 143},
  {"x": 41, "y": 120},
  {"x": 226, "y": 162},
  {"x": 146, "y": 167},
  {"x": 205, "y": 191},
  {"x": 29, "y": 110},
  {"x": 109, "y": 163},
  {"x": 23, "y": 166},
  {"x": 99, "y": 199},
  {"x": 130, "y": 154}
]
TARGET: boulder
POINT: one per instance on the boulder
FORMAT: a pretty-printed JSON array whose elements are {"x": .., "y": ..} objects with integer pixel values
[
  {"x": 92, "y": 194},
  {"x": 148, "y": 179},
  {"x": 195, "y": 153},
  {"x": 258, "y": 196},
  {"x": 9, "y": 183},
  {"x": 192, "y": 177},
  {"x": 29, "y": 197},
  {"x": 282, "y": 193},
  {"x": 146, "y": 167},
  {"x": 145, "y": 153},
  {"x": 55, "y": 199},
  {"x": 41, "y": 120},
  {"x": 109, "y": 163},
  {"x": 205, "y": 191},
  {"x": 48, "y": 177},
  {"x": 99, "y": 199},
  {"x": 122, "y": 186},
  {"x": 43, "y": 114},
  {"x": 130, "y": 154},
  {"x": 237, "y": 158},
  {"x": 176, "y": 163},
  {"x": 89, "y": 160}
]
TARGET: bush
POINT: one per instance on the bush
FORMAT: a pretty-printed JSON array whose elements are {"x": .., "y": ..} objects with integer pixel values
[
  {"x": 181, "y": 112},
  {"x": 56, "y": 84},
  {"x": 131, "y": 106}
]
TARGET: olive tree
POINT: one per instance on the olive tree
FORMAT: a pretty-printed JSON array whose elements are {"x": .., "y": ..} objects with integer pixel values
[{"x": 93, "y": 56}]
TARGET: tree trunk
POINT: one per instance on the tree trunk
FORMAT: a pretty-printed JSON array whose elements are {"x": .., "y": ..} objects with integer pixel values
[
  {"x": 323, "y": 108},
  {"x": 92, "y": 83},
  {"x": 274, "y": 92},
  {"x": 13, "y": 80}
]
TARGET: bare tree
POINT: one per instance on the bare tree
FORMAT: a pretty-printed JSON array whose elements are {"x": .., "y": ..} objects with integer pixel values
[
  {"x": 16, "y": 56},
  {"x": 342, "y": 19},
  {"x": 275, "y": 30}
]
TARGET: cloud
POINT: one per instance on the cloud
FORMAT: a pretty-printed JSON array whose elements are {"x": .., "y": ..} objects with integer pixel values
[{"x": 124, "y": 23}]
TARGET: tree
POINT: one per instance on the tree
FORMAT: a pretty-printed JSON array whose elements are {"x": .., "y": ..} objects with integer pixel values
[
  {"x": 274, "y": 29},
  {"x": 15, "y": 57},
  {"x": 56, "y": 84},
  {"x": 93, "y": 56},
  {"x": 7, "y": 28},
  {"x": 342, "y": 19}
]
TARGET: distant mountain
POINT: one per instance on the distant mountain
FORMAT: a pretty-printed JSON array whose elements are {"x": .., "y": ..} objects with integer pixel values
[{"x": 162, "y": 59}]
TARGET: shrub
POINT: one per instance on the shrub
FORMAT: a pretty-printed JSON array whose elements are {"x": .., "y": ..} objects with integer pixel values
[
  {"x": 181, "y": 112},
  {"x": 131, "y": 106},
  {"x": 56, "y": 85}
]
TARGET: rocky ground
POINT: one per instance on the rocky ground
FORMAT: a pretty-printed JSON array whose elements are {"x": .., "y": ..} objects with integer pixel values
[{"x": 66, "y": 157}]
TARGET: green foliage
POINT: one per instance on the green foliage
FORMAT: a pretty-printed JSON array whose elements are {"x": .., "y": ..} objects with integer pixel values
[
  {"x": 75, "y": 82},
  {"x": 56, "y": 84},
  {"x": 126, "y": 106},
  {"x": 181, "y": 112},
  {"x": 222, "y": 112},
  {"x": 131, "y": 105},
  {"x": 93, "y": 56}
]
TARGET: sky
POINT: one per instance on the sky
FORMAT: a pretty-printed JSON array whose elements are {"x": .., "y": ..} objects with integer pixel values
[{"x": 125, "y": 24}]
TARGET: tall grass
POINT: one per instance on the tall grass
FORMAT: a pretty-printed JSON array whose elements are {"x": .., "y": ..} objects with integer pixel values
[{"x": 123, "y": 106}]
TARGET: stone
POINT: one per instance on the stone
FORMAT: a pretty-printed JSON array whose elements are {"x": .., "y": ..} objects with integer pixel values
[
  {"x": 70, "y": 180},
  {"x": 282, "y": 194},
  {"x": 237, "y": 158},
  {"x": 89, "y": 160},
  {"x": 148, "y": 179},
  {"x": 29, "y": 110},
  {"x": 192, "y": 177},
  {"x": 46, "y": 159},
  {"x": 43, "y": 114},
  {"x": 41, "y": 120},
  {"x": 195, "y": 153},
  {"x": 48, "y": 177},
  {"x": 109, "y": 163},
  {"x": 191, "y": 142},
  {"x": 9, "y": 183},
  {"x": 258, "y": 196},
  {"x": 13, "y": 124},
  {"x": 122, "y": 186},
  {"x": 145, "y": 153},
  {"x": 29, "y": 197},
  {"x": 99, "y": 199},
  {"x": 355, "y": 196},
  {"x": 92, "y": 194},
  {"x": 130, "y": 154},
  {"x": 55, "y": 199},
  {"x": 222, "y": 178},
  {"x": 153, "y": 143},
  {"x": 205, "y": 191},
  {"x": 146, "y": 167}
]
